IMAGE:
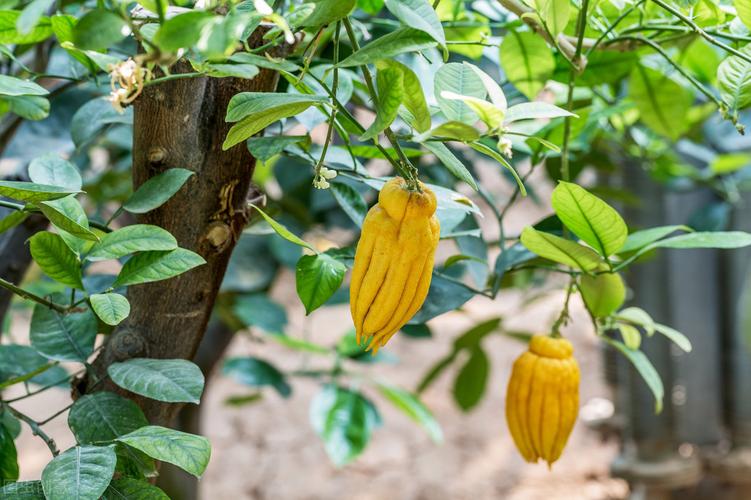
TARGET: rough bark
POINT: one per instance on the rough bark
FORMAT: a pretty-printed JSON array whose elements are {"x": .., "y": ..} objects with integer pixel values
[{"x": 180, "y": 123}]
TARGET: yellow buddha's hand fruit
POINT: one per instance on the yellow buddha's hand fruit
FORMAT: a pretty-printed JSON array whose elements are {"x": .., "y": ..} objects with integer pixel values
[
  {"x": 542, "y": 400},
  {"x": 393, "y": 262}
]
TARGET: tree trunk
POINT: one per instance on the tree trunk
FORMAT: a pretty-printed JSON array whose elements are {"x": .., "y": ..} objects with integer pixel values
[{"x": 180, "y": 123}]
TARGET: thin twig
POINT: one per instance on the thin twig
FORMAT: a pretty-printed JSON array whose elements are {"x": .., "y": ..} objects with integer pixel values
[{"x": 35, "y": 429}]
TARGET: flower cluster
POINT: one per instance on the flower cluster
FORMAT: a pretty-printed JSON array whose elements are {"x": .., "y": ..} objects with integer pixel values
[
  {"x": 127, "y": 79},
  {"x": 322, "y": 178}
]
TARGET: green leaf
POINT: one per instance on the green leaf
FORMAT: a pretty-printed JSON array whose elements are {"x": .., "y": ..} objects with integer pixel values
[
  {"x": 631, "y": 335},
  {"x": 328, "y": 11},
  {"x": 663, "y": 104},
  {"x": 68, "y": 215},
  {"x": 187, "y": 451},
  {"x": 637, "y": 316},
  {"x": 488, "y": 151},
  {"x": 93, "y": 117},
  {"x": 12, "y": 220},
  {"x": 471, "y": 338},
  {"x": 645, "y": 369},
  {"x": 640, "y": 239},
  {"x": 674, "y": 336},
  {"x": 418, "y": 14},
  {"x": 12, "y": 86},
  {"x": 31, "y": 15},
  {"x": 284, "y": 232},
  {"x": 371, "y": 7},
  {"x": 527, "y": 61},
  {"x": 534, "y": 111},
  {"x": 388, "y": 46},
  {"x": 131, "y": 239},
  {"x": 104, "y": 416},
  {"x": 168, "y": 380},
  {"x": 719, "y": 239},
  {"x": 63, "y": 337},
  {"x": 147, "y": 267},
  {"x": 345, "y": 420},
  {"x": 590, "y": 218},
  {"x": 31, "y": 192},
  {"x": 112, "y": 308},
  {"x": 351, "y": 202},
  {"x": 469, "y": 385},
  {"x": 411, "y": 405},
  {"x": 19, "y": 362},
  {"x": 256, "y": 372},
  {"x": 25, "y": 490},
  {"x": 9, "y": 31},
  {"x": 156, "y": 191},
  {"x": 318, "y": 277},
  {"x": 182, "y": 31},
  {"x": 390, "y": 84},
  {"x": 489, "y": 114},
  {"x": 413, "y": 97},
  {"x": 729, "y": 163},
  {"x": 127, "y": 488},
  {"x": 259, "y": 310},
  {"x": 743, "y": 9},
  {"x": 451, "y": 130},
  {"x": 459, "y": 79},
  {"x": 603, "y": 294},
  {"x": 555, "y": 14},
  {"x": 254, "y": 111},
  {"x": 8, "y": 457},
  {"x": 31, "y": 107},
  {"x": 52, "y": 170},
  {"x": 734, "y": 81},
  {"x": 99, "y": 29},
  {"x": 557, "y": 249},
  {"x": 299, "y": 344},
  {"x": 82, "y": 473},
  {"x": 55, "y": 258},
  {"x": 451, "y": 162},
  {"x": 265, "y": 148},
  {"x": 221, "y": 34}
]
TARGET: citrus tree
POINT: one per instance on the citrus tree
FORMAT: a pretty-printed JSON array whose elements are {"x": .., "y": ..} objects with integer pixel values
[{"x": 169, "y": 160}]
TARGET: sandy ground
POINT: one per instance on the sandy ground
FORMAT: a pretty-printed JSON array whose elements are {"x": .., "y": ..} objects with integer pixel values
[{"x": 268, "y": 450}]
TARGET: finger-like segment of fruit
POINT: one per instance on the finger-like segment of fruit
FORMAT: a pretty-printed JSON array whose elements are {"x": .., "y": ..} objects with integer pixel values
[
  {"x": 542, "y": 400},
  {"x": 393, "y": 261}
]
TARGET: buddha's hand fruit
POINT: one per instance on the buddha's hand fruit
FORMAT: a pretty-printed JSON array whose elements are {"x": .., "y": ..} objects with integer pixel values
[
  {"x": 542, "y": 400},
  {"x": 393, "y": 262}
]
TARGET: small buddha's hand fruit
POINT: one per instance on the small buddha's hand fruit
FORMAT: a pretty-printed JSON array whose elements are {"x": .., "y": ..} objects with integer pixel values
[
  {"x": 542, "y": 400},
  {"x": 393, "y": 262}
]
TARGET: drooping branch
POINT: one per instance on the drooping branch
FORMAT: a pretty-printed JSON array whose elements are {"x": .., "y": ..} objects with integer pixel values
[{"x": 181, "y": 123}]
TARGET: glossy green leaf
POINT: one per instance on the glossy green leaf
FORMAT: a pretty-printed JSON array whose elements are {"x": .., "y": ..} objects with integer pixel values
[
  {"x": 645, "y": 368},
  {"x": 283, "y": 231},
  {"x": 674, "y": 336},
  {"x": 31, "y": 107},
  {"x": 557, "y": 249},
  {"x": 168, "y": 380},
  {"x": 259, "y": 310},
  {"x": 413, "y": 97},
  {"x": 8, "y": 457},
  {"x": 24, "y": 490},
  {"x": 663, "y": 104},
  {"x": 415, "y": 409},
  {"x": 743, "y": 9},
  {"x": 527, "y": 61},
  {"x": 23, "y": 363},
  {"x": 112, "y": 308},
  {"x": 68, "y": 214},
  {"x": 318, "y": 277},
  {"x": 719, "y": 239},
  {"x": 390, "y": 84},
  {"x": 418, "y": 14},
  {"x": 603, "y": 294},
  {"x": 81, "y": 473},
  {"x": 187, "y": 451},
  {"x": 590, "y": 218},
  {"x": 350, "y": 201},
  {"x": 256, "y": 372},
  {"x": 181, "y": 31},
  {"x": 104, "y": 416},
  {"x": 56, "y": 259},
  {"x": 95, "y": 116},
  {"x": 52, "y": 170},
  {"x": 388, "y": 46},
  {"x": 31, "y": 14},
  {"x": 131, "y": 239},
  {"x": 12, "y": 220},
  {"x": 451, "y": 130},
  {"x": 469, "y": 385},
  {"x": 127, "y": 488},
  {"x": 555, "y": 14},
  {"x": 265, "y": 148},
  {"x": 64, "y": 337},
  {"x": 12, "y": 86},
  {"x": 451, "y": 162},
  {"x": 328, "y": 11},
  {"x": 31, "y": 192},
  {"x": 640, "y": 239},
  {"x": 156, "y": 191},
  {"x": 99, "y": 29},
  {"x": 534, "y": 111},
  {"x": 147, "y": 267},
  {"x": 9, "y": 33},
  {"x": 345, "y": 420},
  {"x": 462, "y": 80},
  {"x": 734, "y": 81}
]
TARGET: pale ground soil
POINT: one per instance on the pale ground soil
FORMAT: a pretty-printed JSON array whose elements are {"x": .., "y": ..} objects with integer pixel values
[{"x": 268, "y": 450}]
